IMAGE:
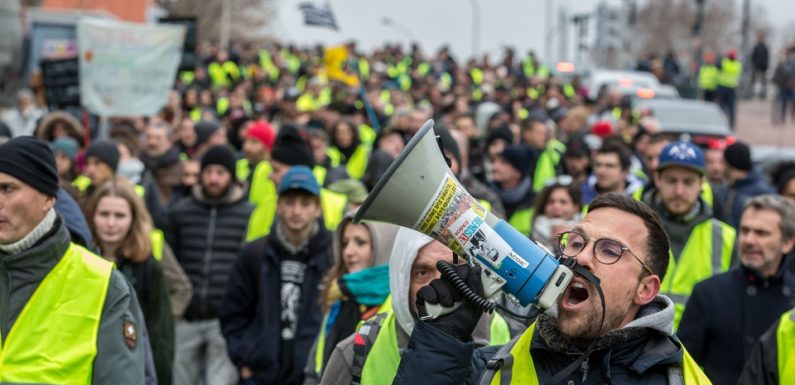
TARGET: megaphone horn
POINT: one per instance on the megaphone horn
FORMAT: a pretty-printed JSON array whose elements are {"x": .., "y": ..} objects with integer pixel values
[{"x": 420, "y": 192}]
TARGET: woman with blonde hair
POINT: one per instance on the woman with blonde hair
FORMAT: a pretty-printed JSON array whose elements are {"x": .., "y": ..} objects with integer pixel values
[
  {"x": 355, "y": 288},
  {"x": 121, "y": 227}
]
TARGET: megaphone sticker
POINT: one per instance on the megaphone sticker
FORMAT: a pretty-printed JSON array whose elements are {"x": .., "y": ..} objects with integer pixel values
[{"x": 450, "y": 203}]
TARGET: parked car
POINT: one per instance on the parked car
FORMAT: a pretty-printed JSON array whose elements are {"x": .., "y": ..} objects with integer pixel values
[{"x": 702, "y": 121}]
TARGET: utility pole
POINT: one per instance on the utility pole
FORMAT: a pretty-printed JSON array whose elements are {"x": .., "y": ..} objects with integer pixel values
[
  {"x": 226, "y": 22},
  {"x": 581, "y": 23},
  {"x": 475, "y": 28},
  {"x": 548, "y": 31},
  {"x": 744, "y": 54},
  {"x": 563, "y": 34}
]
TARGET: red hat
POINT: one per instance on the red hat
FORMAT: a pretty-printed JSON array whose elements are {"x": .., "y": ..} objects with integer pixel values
[
  {"x": 731, "y": 54},
  {"x": 602, "y": 129},
  {"x": 262, "y": 131}
]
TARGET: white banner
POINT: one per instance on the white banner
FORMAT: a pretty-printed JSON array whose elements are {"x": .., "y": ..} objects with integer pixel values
[{"x": 127, "y": 69}]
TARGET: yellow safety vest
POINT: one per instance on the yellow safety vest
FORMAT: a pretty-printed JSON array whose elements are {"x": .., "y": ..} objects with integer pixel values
[
  {"x": 54, "y": 340},
  {"x": 522, "y": 221},
  {"x": 706, "y": 253},
  {"x": 708, "y": 77},
  {"x": 383, "y": 359},
  {"x": 220, "y": 74},
  {"x": 546, "y": 167},
  {"x": 158, "y": 240},
  {"x": 82, "y": 183},
  {"x": 356, "y": 165},
  {"x": 785, "y": 340},
  {"x": 333, "y": 205},
  {"x": 262, "y": 195},
  {"x": 518, "y": 367},
  {"x": 730, "y": 71}
]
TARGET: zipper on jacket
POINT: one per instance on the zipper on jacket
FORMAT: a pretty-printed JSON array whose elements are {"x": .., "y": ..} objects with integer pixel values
[
  {"x": 584, "y": 369},
  {"x": 208, "y": 254}
]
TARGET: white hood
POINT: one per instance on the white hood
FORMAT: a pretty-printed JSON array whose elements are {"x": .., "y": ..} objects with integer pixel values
[{"x": 407, "y": 243}]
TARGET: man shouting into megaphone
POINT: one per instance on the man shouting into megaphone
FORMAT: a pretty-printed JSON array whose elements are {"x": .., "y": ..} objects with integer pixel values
[{"x": 621, "y": 333}]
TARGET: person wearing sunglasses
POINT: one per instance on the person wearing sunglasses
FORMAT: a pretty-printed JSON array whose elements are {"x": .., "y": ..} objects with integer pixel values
[
  {"x": 620, "y": 241},
  {"x": 701, "y": 246}
]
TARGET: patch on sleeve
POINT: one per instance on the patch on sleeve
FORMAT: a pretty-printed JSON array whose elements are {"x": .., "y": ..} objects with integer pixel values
[{"x": 130, "y": 334}]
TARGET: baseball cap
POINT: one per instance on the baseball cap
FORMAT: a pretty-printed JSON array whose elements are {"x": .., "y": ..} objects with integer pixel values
[
  {"x": 299, "y": 178},
  {"x": 683, "y": 154}
]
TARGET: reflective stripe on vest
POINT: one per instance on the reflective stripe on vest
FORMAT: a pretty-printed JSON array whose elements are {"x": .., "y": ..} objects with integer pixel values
[
  {"x": 513, "y": 365},
  {"x": 262, "y": 195},
  {"x": 710, "y": 237},
  {"x": 54, "y": 339},
  {"x": 383, "y": 358},
  {"x": 785, "y": 340},
  {"x": 522, "y": 221},
  {"x": 730, "y": 71},
  {"x": 158, "y": 240}
]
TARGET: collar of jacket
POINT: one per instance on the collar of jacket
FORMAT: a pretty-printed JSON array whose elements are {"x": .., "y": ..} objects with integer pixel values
[
  {"x": 319, "y": 243},
  {"x": 37, "y": 261},
  {"x": 754, "y": 278},
  {"x": 234, "y": 194},
  {"x": 153, "y": 163}
]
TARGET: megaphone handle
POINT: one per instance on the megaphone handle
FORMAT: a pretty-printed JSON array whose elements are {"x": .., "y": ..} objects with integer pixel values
[{"x": 435, "y": 311}]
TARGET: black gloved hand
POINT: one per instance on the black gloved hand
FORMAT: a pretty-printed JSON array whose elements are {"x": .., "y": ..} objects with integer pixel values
[{"x": 461, "y": 322}]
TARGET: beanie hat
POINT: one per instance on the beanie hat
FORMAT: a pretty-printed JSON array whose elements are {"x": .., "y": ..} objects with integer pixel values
[
  {"x": 682, "y": 154},
  {"x": 503, "y": 133},
  {"x": 355, "y": 190},
  {"x": 291, "y": 149},
  {"x": 220, "y": 155},
  {"x": 602, "y": 129},
  {"x": 204, "y": 129},
  {"x": 31, "y": 161},
  {"x": 738, "y": 155},
  {"x": 262, "y": 131},
  {"x": 107, "y": 151},
  {"x": 577, "y": 147},
  {"x": 448, "y": 143},
  {"x": 519, "y": 157},
  {"x": 66, "y": 145}
]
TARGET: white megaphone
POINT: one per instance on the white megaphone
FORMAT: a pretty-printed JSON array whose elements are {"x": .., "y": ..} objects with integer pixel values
[{"x": 420, "y": 192}]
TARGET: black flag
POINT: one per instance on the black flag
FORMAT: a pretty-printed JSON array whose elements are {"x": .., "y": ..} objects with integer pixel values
[{"x": 319, "y": 16}]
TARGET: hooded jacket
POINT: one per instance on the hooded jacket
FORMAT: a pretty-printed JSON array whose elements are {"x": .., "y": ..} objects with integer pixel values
[
  {"x": 206, "y": 236},
  {"x": 590, "y": 191},
  {"x": 251, "y": 315},
  {"x": 407, "y": 244},
  {"x": 639, "y": 353},
  {"x": 345, "y": 307}
]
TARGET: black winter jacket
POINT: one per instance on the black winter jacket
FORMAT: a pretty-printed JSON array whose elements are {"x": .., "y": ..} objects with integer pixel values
[
  {"x": 633, "y": 355},
  {"x": 206, "y": 236},
  {"x": 726, "y": 315},
  {"x": 251, "y": 315},
  {"x": 762, "y": 366}
]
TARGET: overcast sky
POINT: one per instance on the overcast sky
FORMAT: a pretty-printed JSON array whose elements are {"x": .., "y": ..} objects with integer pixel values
[{"x": 519, "y": 23}]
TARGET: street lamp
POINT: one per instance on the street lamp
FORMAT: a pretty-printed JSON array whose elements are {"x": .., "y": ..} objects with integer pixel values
[
  {"x": 406, "y": 32},
  {"x": 475, "y": 27}
]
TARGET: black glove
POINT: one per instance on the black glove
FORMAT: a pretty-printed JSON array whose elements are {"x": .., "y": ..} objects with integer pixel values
[{"x": 461, "y": 322}]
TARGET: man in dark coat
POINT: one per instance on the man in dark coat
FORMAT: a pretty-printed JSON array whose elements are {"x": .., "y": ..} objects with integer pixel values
[
  {"x": 271, "y": 312},
  {"x": 727, "y": 313},
  {"x": 620, "y": 241},
  {"x": 207, "y": 230},
  {"x": 745, "y": 182}
]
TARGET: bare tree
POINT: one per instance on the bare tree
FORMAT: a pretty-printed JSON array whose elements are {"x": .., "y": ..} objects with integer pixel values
[{"x": 248, "y": 17}]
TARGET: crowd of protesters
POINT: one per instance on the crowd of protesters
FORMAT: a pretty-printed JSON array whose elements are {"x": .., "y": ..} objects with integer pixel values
[{"x": 230, "y": 211}]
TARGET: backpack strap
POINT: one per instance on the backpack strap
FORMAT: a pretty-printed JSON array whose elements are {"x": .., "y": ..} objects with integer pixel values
[
  {"x": 363, "y": 341},
  {"x": 497, "y": 361}
]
